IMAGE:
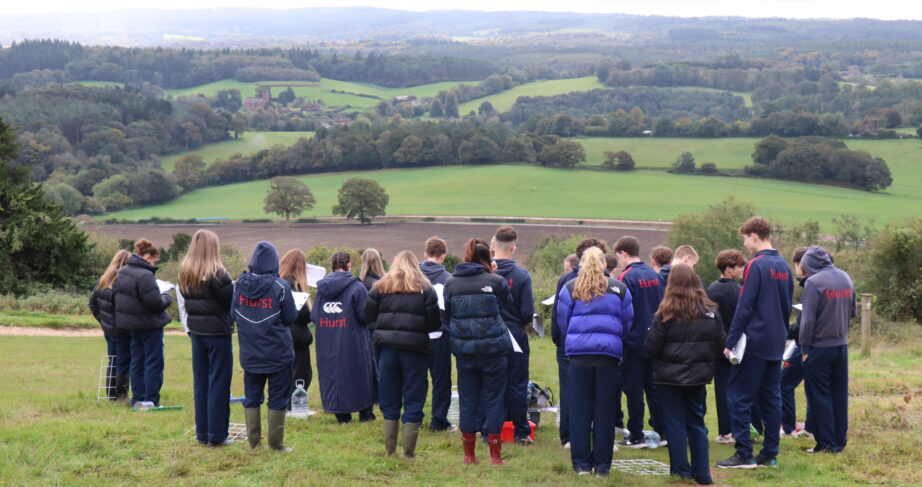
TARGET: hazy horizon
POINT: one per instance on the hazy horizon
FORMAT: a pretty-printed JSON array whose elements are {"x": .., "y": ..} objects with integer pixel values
[{"x": 792, "y": 9}]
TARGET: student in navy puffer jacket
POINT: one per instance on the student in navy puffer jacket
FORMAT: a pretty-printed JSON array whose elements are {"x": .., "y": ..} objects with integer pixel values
[
  {"x": 264, "y": 309},
  {"x": 474, "y": 298},
  {"x": 593, "y": 311}
]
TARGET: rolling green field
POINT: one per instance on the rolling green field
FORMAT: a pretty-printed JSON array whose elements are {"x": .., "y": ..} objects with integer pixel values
[
  {"x": 249, "y": 142},
  {"x": 322, "y": 90},
  {"x": 542, "y": 192},
  {"x": 503, "y": 101},
  {"x": 53, "y": 432}
]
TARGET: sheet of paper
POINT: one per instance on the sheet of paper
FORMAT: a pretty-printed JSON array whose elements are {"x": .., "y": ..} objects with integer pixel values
[
  {"x": 515, "y": 345},
  {"x": 165, "y": 286},
  {"x": 798, "y": 307},
  {"x": 440, "y": 291},
  {"x": 314, "y": 274},
  {"x": 537, "y": 324},
  {"x": 183, "y": 315},
  {"x": 300, "y": 299},
  {"x": 435, "y": 335},
  {"x": 549, "y": 301},
  {"x": 789, "y": 350},
  {"x": 736, "y": 355}
]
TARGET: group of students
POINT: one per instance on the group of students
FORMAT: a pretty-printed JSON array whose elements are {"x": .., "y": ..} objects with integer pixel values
[{"x": 652, "y": 334}]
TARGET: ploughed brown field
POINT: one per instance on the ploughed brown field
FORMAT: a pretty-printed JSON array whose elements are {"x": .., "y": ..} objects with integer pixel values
[{"x": 388, "y": 238}]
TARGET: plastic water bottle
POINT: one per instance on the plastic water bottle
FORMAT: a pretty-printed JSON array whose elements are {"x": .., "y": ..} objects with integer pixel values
[
  {"x": 651, "y": 439},
  {"x": 299, "y": 400},
  {"x": 454, "y": 409}
]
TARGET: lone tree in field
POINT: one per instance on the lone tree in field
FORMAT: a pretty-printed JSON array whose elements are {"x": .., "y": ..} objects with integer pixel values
[
  {"x": 619, "y": 161},
  {"x": 288, "y": 197},
  {"x": 361, "y": 198}
]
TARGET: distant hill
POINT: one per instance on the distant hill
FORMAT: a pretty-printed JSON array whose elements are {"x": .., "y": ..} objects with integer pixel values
[{"x": 259, "y": 27}]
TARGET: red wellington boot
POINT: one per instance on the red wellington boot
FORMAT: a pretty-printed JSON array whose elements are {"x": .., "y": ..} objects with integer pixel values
[
  {"x": 470, "y": 443},
  {"x": 496, "y": 449}
]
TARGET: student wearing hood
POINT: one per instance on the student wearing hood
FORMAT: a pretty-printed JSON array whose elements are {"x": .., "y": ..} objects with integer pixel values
[
  {"x": 345, "y": 362},
  {"x": 264, "y": 309},
  {"x": 828, "y": 306},
  {"x": 140, "y": 308}
]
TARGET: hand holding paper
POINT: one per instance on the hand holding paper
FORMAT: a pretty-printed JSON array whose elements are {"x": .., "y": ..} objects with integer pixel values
[{"x": 165, "y": 286}]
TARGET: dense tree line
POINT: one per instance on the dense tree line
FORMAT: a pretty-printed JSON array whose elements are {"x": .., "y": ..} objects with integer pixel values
[
  {"x": 818, "y": 160},
  {"x": 25, "y": 63},
  {"x": 375, "y": 143},
  {"x": 98, "y": 149},
  {"x": 680, "y": 74}
]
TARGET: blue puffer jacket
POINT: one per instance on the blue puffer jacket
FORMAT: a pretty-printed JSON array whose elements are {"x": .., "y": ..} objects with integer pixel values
[
  {"x": 474, "y": 299},
  {"x": 595, "y": 327}
]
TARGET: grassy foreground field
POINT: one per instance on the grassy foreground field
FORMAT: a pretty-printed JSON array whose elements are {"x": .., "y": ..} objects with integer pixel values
[
  {"x": 541, "y": 192},
  {"x": 53, "y": 432},
  {"x": 248, "y": 143}
]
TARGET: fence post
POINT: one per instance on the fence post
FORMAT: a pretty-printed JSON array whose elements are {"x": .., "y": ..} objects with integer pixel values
[{"x": 866, "y": 324}]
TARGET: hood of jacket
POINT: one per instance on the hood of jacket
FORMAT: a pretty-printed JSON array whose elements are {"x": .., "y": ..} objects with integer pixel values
[
  {"x": 136, "y": 261},
  {"x": 335, "y": 283},
  {"x": 264, "y": 267},
  {"x": 431, "y": 270},
  {"x": 815, "y": 260},
  {"x": 469, "y": 269},
  {"x": 504, "y": 266}
]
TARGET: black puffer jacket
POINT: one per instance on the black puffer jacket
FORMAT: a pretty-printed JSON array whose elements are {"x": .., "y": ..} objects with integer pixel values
[
  {"x": 139, "y": 306},
  {"x": 301, "y": 335},
  {"x": 683, "y": 353},
  {"x": 370, "y": 279},
  {"x": 102, "y": 305},
  {"x": 209, "y": 306},
  {"x": 403, "y": 321}
]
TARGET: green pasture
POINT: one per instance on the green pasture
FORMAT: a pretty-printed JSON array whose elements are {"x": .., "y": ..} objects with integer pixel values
[
  {"x": 646, "y": 194},
  {"x": 54, "y": 432},
  {"x": 322, "y": 90},
  {"x": 503, "y": 101},
  {"x": 248, "y": 143}
]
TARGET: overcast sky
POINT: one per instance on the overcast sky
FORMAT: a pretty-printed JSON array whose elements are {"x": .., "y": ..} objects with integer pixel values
[{"x": 883, "y": 9}]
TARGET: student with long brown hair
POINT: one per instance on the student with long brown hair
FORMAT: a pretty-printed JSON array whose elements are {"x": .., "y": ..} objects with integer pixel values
[
  {"x": 685, "y": 338},
  {"x": 207, "y": 290},
  {"x": 140, "y": 308},
  {"x": 293, "y": 268},
  {"x": 593, "y": 310},
  {"x": 474, "y": 299},
  {"x": 402, "y": 309},
  {"x": 118, "y": 341}
]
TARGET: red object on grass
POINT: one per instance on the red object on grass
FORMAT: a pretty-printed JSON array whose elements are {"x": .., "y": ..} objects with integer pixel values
[{"x": 508, "y": 434}]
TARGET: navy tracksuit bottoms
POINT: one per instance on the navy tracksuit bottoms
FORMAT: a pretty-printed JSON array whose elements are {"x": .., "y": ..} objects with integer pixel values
[
  {"x": 592, "y": 416},
  {"x": 279, "y": 385},
  {"x": 212, "y": 369},
  {"x": 403, "y": 384},
  {"x": 440, "y": 370},
  {"x": 755, "y": 381},
  {"x": 637, "y": 380},
  {"x": 683, "y": 420},
  {"x": 146, "y": 365},
  {"x": 826, "y": 371},
  {"x": 482, "y": 386}
]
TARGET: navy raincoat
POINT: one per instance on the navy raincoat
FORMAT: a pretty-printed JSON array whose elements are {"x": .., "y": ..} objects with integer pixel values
[{"x": 263, "y": 308}]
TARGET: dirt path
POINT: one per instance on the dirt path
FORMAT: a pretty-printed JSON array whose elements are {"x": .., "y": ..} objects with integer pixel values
[{"x": 28, "y": 331}]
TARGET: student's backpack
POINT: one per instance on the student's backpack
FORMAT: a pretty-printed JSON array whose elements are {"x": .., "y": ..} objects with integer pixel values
[{"x": 540, "y": 397}]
